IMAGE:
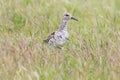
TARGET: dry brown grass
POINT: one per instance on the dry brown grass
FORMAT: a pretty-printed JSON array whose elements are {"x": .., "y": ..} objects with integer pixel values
[{"x": 93, "y": 52}]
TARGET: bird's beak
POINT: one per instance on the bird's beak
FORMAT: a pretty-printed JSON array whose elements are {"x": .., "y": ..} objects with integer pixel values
[{"x": 74, "y": 18}]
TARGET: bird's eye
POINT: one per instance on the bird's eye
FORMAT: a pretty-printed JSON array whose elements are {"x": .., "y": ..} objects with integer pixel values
[{"x": 66, "y": 15}]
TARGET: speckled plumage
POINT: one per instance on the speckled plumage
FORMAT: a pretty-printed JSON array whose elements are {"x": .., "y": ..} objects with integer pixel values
[{"x": 61, "y": 36}]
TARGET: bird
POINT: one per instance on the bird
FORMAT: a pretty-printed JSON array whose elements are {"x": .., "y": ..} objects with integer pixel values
[{"x": 61, "y": 36}]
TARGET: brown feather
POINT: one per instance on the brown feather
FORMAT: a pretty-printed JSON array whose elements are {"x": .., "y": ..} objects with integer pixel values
[{"x": 49, "y": 37}]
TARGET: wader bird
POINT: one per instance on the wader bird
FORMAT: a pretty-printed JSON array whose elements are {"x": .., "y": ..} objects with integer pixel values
[{"x": 60, "y": 37}]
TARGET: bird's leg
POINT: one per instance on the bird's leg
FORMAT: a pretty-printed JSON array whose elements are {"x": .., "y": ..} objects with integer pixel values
[
  {"x": 61, "y": 56},
  {"x": 55, "y": 58}
]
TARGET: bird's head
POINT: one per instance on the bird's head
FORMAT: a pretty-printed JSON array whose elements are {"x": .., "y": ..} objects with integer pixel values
[{"x": 68, "y": 16}]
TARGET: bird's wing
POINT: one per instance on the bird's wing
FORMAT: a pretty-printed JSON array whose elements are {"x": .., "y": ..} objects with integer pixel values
[{"x": 49, "y": 37}]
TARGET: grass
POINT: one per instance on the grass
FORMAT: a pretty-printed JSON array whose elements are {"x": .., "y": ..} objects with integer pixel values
[{"x": 93, "y": 52}]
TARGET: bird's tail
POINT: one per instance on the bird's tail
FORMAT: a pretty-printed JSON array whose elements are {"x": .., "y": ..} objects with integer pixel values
[{"x": 45, "y": 41}]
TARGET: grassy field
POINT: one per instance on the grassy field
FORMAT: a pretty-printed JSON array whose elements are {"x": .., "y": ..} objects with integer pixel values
[{"x": 93, "y": 52}]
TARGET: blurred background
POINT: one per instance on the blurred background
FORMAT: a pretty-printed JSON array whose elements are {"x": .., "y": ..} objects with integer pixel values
[{"x": 93, "y": 52}]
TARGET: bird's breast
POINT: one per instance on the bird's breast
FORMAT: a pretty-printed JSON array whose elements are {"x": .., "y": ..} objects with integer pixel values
[{"x": 61, "y": 37}]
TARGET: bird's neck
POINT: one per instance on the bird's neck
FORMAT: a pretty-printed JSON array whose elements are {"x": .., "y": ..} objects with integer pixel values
[{"x": 63, "y": 26}]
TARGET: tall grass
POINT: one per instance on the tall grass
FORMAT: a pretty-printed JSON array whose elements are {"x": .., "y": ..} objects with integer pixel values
[{"x": 93, "y": 52}]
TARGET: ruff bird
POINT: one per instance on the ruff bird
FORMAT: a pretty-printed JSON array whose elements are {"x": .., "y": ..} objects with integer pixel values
[{"x": 60, "y": 37}]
